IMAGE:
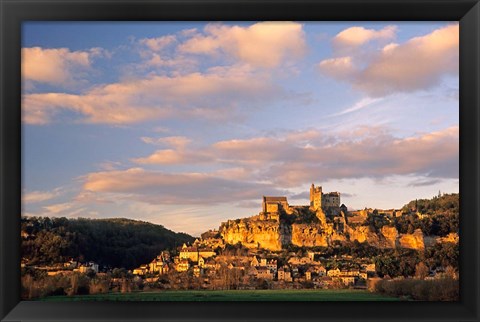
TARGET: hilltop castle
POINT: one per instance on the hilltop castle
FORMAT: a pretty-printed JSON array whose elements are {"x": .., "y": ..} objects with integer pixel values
[{"x": 318, "y": 200}]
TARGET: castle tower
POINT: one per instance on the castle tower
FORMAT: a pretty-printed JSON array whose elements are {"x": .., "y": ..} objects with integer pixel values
[
  {"x": 315, "y": 197},
  {"x": 312, "y": 189}
]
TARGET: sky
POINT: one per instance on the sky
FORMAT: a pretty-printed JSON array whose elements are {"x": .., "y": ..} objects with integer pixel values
[{"x": 188, "y": 124}]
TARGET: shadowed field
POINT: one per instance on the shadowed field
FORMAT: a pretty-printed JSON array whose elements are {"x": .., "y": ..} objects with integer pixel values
[{"x": 232, "y": 295}]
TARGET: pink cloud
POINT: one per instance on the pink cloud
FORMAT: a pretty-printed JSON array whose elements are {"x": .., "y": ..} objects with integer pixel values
[
  {"x": 298, "y": 157},
  {"x": 157, "y": 44},
  {"x": 264, "y": 44},
  {"x": 357, "y": 36},
  {"x": 39, "y": 196},
  {"x": 173, "y": 157},
  {"x": 178, "y": 188},
  {"x": 172, "y": 141},
  {"x": 420, "y": 63},
  {"x": 260, "y": 166},
  {"x": 211, "y": 95},
  {"x": 434, "y": 154},
  {"x": 56, "y": 66}
]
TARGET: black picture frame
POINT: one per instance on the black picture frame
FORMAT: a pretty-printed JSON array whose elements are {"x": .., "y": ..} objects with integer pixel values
[{"x": 14, "y": 12}]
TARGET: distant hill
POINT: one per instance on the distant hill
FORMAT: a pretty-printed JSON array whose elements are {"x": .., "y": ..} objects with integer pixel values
[
  {"x": 446, "y": 204},
  {"x": 114, "y": 242},
  {"x": 440, "y": 215}
]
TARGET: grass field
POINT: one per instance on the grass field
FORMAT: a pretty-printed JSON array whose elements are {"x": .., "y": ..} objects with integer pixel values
[{"x": 233, "y": 295}]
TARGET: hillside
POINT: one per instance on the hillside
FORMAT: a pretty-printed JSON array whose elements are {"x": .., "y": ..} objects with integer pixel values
[
  {"x": 300, "y": 226},
  {"x": 114, "y": 242},
  {"x": 446, "y": 204},
  {"x": 438, "y": 216}
]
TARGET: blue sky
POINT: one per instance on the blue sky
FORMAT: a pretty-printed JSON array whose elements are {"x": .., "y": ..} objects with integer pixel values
[{"x": 189, "y": 124}]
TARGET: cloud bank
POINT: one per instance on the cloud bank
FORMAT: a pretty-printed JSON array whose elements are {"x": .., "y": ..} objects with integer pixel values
[{"x": 418, "y": 64}]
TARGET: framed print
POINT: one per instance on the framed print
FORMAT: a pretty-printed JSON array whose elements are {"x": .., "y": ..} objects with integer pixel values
[{"x": 240, "y": 160}]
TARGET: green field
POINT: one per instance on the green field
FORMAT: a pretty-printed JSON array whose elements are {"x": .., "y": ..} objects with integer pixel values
[{"x": 233, "y": 295}]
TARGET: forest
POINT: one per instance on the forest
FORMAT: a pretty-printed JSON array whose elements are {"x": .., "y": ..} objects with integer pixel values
[
  {"x": 109, "y": 242},
  {"x": 440, "y": 216}
]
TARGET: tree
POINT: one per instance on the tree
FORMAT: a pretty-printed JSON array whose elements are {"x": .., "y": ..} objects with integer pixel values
[
  {"x": 450, "y": 272},
  {"x": 421, "y": 270}
]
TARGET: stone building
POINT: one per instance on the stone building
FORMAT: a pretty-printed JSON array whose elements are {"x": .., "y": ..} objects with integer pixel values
[
  {"x": 319, "y": 200},
  {"x": 193, "y": 253},
  {"x": 331, "y": 199},
  {"x": 315, "y": 197},
  {"x": 274, "y": 204}
]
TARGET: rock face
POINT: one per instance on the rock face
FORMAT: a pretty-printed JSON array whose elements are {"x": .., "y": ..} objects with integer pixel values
[
  {"x": 252, "y": 234},
  {"x": 450, "y": 238},
  {"x": 308, "y": 235},
  {"x": 391, "y": 236},
  {"x": 274, "y": 235},
  {"x": 414, "y": 241},
  {"x": 386, "y": 238}
]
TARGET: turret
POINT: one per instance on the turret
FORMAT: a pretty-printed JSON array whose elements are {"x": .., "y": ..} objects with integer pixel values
[{"x": 315, "y": 197}]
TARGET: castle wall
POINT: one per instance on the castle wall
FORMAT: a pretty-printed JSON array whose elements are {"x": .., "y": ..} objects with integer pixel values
[{"x": 271, "y": 207}]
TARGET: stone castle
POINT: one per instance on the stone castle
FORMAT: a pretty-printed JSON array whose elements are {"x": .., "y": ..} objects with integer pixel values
[
  {"x": 322, "y": 222},
  {"x": 318, "y": 200}
]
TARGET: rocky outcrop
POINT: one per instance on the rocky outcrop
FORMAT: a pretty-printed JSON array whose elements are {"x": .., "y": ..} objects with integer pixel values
[
  {"x": 413, "y": 241},
  {"x": 308, "y": 235},
  {"x": 391, "y": 236},
  {"x": 252, "y": 234},
  {"x": 450, "y": 238},
  {"x": 321, "y": 216},
  {"x": 386, "y": 238},
  {"x": 274, "y": 235}
]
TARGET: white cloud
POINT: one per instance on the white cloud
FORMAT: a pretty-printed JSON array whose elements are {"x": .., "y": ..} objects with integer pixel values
[
  {"x": 56, "y": 66},
  {"x": 361, "y": 104},
  {"x": 341, "y": 67},
  {"x": 174, "y": 188},
  {"x": 158, "y": 44},
  {"x": 264, "y": 44},
  {"x": 211, "y": 95},
  {"x": 298, "y": 157},
  {"x": 357, "y": 36},
  {"x": 39, "y": 196},
  {"x": 418, "y": 64},
  {"x": 170, "y": 156},
  {"x": 58, "y": 208}
]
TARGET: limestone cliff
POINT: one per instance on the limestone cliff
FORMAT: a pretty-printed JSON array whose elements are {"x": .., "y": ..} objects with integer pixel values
[
  {"x": 253, "y": 233},
  {"x": 386, "y": 238},
  {"x": 391, "y": 236},
  {"x": 414, "y": 241},
  {"x": 274, "y": 235},
  {"x": 308, "y": 235}
]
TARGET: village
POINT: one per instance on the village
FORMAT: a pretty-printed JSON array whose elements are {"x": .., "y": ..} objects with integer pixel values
[
  {"x": 253, "y": 269},
  {"x": 236, "y": 257}
]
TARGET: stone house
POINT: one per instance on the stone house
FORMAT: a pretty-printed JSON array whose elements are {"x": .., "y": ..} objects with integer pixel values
[
  {"x": 265, "y": 273},
  {"x": 183, "y": 265},
  {"x": 333, "y": 272},
  {"x": 320, "y": 270},
  {"x": 346, "y": 280},
  {"x": 284, "y": 274},
  {"x": 299, "y": 260},
  {"x": 272, "y": 265},
  {"x": 193, "y": 253},
  {"x": 142, "y": 270}
]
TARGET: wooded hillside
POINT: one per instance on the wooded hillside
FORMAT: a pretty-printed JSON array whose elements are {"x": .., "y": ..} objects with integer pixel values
[{"x": 109, "y": 242}]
